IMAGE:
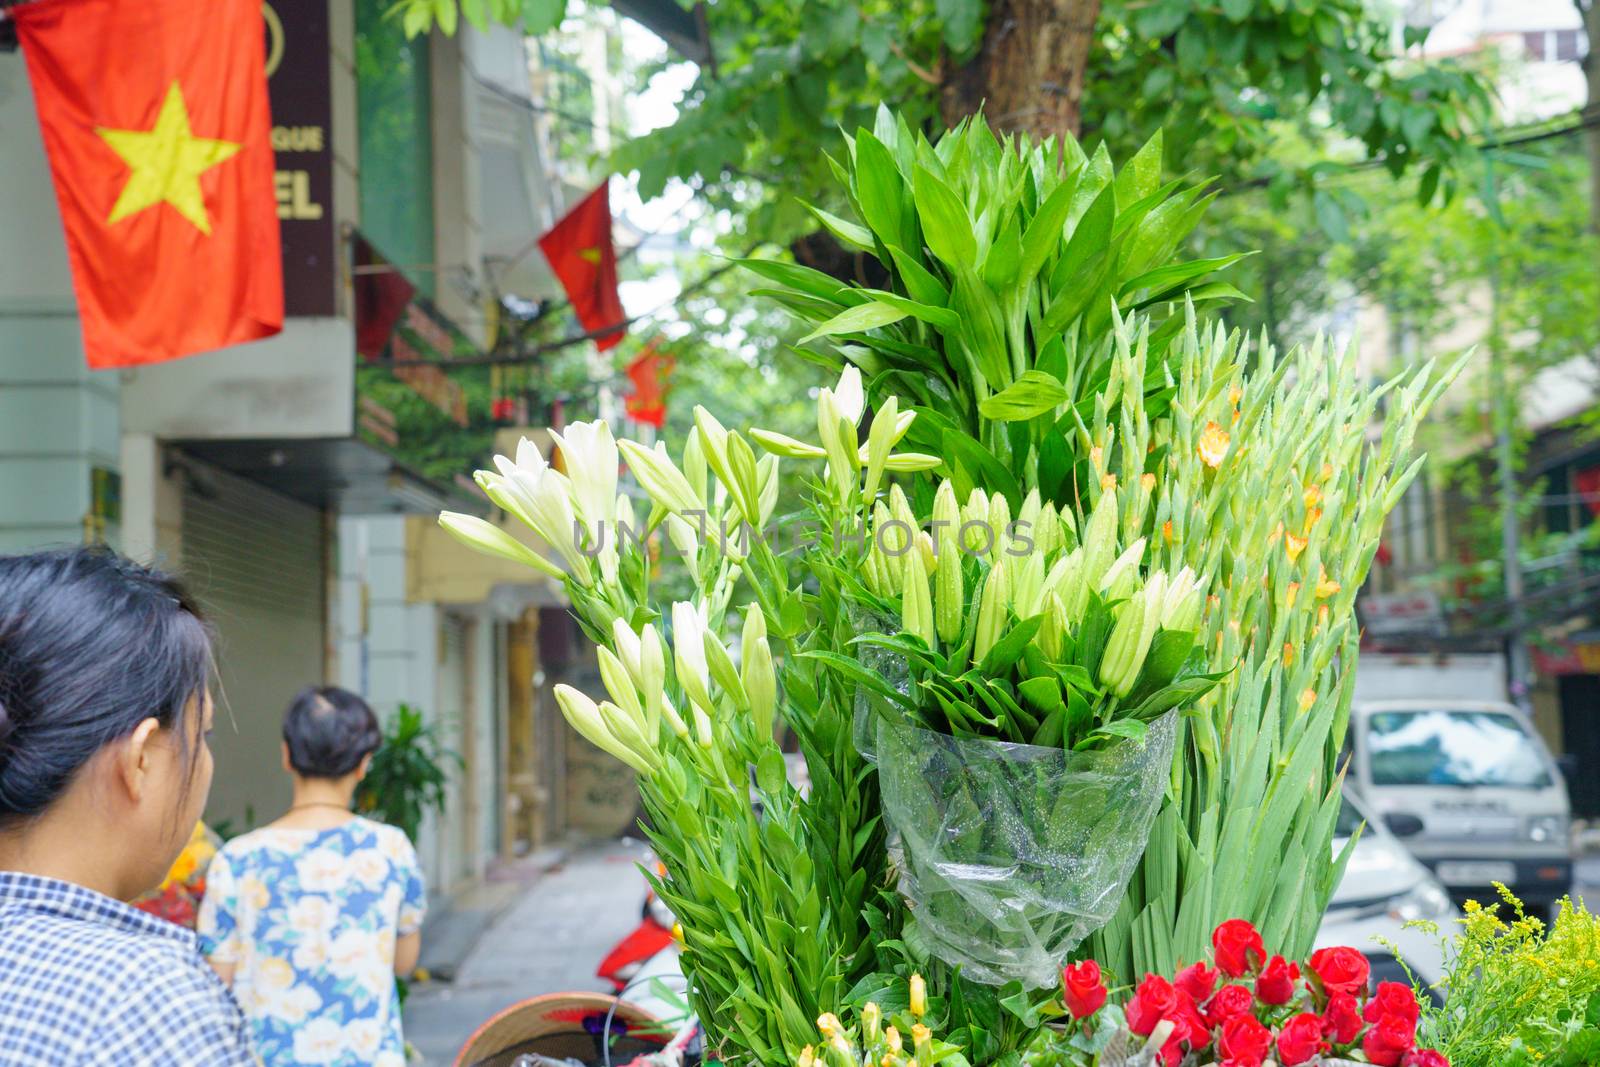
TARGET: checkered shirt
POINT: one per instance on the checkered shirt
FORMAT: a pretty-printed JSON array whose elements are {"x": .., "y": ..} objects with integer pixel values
[{"x": 87, "y": 979}]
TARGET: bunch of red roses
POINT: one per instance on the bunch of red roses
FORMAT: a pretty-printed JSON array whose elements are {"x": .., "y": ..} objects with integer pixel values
[{"x": 1251, "y": 1007}]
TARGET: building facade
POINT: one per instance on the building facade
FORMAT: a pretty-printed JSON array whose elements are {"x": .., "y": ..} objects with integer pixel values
[{"x": 278, "y": 478}]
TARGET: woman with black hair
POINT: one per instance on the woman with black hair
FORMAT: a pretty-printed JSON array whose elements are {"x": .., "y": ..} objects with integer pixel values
[
  {"x": 105, "y": 709},
  {"x": 311, "y": 917}
]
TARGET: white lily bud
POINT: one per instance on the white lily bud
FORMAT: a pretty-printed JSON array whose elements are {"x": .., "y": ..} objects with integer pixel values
[
  {"x": 991, "y": 611},
  {"x": 849, "y": 395},
  {"x": 767, "y": 477},
  {"x": 783, "y": 445},
  {"x": 1181, "y": 609},
  {"x": 714, "y": 443},
  {"x": 486, "y": 537},
  {"x": 585, "y": 717},
  {"x": 674, "y": 720},
  {"x": 760, "y": 679},
  {"x": 652, "y": 675},
  {"x": 1121, "y": 577},
  {"x": 1099, "y": 539},
  {"x": 1047, "y": 536},
  {"x": 627, "y": 646},
  {"x": 694, "y": 465},
  {"x": 627, "y": 731},
  {"x": 723, "y": 671},
  {"x": 659, "y": 477},
  {"x": 916, "y": 603},
  {"x": 689, "y": 653},
  {"x": 912, "y": 462},
  {"x": 683, "y": 537},
  {"x": 879, "y": 440},
  {"x": 620, "y": 684},
  {"x": 1000, "y": 523},
  {"x": 1027, "y": 586}
]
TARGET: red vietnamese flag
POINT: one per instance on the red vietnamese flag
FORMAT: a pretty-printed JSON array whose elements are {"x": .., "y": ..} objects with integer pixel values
[
  {"x": 649, "y": 373},
  {"x": 154, "y": 116},
  {"x": 581, "y": 253}
]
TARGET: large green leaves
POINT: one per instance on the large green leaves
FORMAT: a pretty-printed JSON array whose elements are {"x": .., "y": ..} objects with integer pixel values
[{"x": 997, "y": 251}]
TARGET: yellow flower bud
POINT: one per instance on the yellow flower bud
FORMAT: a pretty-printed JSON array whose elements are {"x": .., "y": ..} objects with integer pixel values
[
  {"x": 1307, "y": 698},
  {"x": 1294, "y": 546},
  {"x": 1288, "y": 655},
  {"x": 871, "y": 1024},
  {"x": 922, "y": 1043},
  {"x": 919, "y": 997},
  {"x": 828, "y": 1024},
  {"x": 677, "y": 934},
  {"x": 891, "y": 1037},
  {"x": 808, "y": 1057},
  {"x": 1294, "y": 591},
  {"x": 1213, "y": 446},
  {"x": 1108, "y": 481},
  {"x": 1326, "y": 586}
]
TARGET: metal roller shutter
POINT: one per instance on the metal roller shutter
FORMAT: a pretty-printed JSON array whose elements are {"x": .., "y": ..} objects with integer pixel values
[{"x": 255, "y": 559}]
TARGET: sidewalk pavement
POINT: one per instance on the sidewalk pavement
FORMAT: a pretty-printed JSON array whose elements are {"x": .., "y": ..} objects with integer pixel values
[{"x": 544, "y": 935}]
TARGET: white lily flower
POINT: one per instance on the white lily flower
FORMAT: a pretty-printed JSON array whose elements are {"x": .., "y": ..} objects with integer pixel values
[
  {"x": 591, "y": 460},
  {"x": 540, "y": 502}
]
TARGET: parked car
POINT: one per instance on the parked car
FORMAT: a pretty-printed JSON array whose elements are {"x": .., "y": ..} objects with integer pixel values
[
  {"x": 1382, "y": 890},
  {"x": 1471, "y": 790}
]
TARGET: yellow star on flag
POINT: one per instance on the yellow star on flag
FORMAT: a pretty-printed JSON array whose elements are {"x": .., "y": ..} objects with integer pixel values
[
  {"x": 590, "y": 255},
  {"x": 166, "y": 163}
]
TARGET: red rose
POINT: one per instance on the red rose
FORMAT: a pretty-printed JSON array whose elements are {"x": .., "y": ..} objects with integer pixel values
[
  {"x": 1230, "y": 1002},
  {"x": 1082, "y": 989},
  {"x": 1244, "y": 1042},
  {"x": 1154, "y": 1000},
  {"x": 1341, "y": 1021},
  {"x": 1238, "y": 948},
  {"x": 1390, "y": 1039},
  {"x": 1392, "y": 998},
  {"x": 1300, "y": 1039},
  {"x": 1276, "y": 983},
  {"x": 1197, "y": 980},
  {"x": 1192, "y": 1028},
  {"x": 1340, "y": 970},
  {"x": 1424, "y": 1057}
]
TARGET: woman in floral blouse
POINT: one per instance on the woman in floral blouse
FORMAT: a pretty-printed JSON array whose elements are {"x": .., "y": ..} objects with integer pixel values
[{"x": 311, "y": 917}]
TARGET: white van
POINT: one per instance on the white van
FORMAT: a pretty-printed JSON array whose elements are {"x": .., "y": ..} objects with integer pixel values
[{"x": 1461, "y": 778}]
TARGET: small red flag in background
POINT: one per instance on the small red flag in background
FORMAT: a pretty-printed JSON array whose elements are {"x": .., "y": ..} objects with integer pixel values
[
  {"x": 380, "y": 299},
  {"x": 154, "y": 116},
  {"x": 583, "y": 256},
  {"x": 649, "y": 374}
]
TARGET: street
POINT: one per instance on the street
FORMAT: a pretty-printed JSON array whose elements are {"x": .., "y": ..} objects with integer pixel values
[{"x": 549, "y": 940}]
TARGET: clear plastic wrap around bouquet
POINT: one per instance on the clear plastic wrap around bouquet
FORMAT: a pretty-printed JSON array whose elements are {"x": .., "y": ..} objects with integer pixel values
[{"x": 1010, "y": 855}]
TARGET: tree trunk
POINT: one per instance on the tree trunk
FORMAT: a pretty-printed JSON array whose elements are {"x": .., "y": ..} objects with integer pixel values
[{"x": 1028, "y": 74}]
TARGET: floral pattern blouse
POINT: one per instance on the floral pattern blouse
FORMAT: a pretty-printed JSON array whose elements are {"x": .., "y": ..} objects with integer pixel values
[{"x": 309, "y": 919}]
